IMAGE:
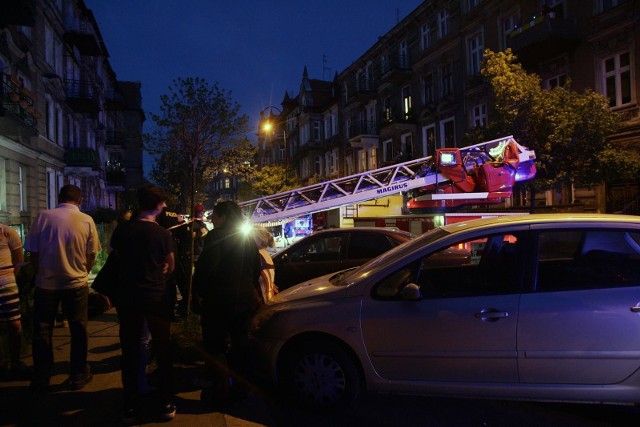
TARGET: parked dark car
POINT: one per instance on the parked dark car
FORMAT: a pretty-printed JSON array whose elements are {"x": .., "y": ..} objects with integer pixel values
[{"x": 331, "y": 250}]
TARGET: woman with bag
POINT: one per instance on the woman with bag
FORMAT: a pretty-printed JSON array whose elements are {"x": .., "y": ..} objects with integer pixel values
[{"x": 264, "y": 239}]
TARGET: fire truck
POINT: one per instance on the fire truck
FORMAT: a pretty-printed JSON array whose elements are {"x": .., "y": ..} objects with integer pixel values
[{"x": 479, "y": 174}]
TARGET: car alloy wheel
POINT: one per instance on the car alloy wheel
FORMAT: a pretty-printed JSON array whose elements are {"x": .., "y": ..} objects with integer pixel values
[{"x": 321, "y": 375}]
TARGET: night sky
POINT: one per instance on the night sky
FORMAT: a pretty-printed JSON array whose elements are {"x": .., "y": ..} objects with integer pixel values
[{"x": 255, "y": 49}]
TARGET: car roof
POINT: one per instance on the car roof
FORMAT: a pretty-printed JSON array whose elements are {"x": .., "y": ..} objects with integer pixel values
[
  {"x": 540, "y": 219},
  {"x": 384, "y": 230}
]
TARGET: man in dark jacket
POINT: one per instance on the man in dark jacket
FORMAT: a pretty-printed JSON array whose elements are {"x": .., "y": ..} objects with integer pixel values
[{"x": 226, "y": 287}]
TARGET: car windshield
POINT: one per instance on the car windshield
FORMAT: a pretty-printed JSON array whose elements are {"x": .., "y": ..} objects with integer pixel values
[{"x": 348, "y": 276}]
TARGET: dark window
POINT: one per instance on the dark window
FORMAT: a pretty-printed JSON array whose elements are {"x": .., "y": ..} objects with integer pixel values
[
  {"x": 488, "y": 265},
  {"x": 325, "y": 248},
  {"x": 588, "y": 259},
  {"x": 367, "y": 245}
]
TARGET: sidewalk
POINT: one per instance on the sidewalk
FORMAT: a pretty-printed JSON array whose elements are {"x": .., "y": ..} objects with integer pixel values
[{"x": 100, "y": 402}]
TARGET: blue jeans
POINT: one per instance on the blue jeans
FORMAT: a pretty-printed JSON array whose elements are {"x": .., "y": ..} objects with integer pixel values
[
  {"x": 74, "y": 307},
  {"x": 134, "y": 321}
]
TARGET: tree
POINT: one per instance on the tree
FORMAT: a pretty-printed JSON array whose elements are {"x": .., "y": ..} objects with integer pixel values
[
  {"x": 198, "y": 133},
  {"x": 268, "y": 180},
  {"x": 568, "y": 130}
]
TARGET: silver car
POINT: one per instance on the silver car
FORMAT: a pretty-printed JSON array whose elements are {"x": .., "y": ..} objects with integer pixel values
[{"x": 538, "y": 307}]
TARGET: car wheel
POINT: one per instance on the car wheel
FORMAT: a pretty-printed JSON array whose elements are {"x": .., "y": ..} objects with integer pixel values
[{"x": 321, "y": 375}]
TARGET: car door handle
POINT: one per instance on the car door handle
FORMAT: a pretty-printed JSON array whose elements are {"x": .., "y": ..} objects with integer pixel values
[
  {"x": 635, "y": 309},
  {"x": 491, "y": 315}
]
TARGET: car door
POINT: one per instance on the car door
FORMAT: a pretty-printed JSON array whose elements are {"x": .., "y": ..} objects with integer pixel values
[
  {"x": 582, "y": 324},
  {"x": 311, "y": 257},
  {"x": 464, "y": 326}
]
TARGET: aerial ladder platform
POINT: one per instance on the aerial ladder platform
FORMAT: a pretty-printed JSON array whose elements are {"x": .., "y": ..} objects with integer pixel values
[{"x": 473, "y": 174}]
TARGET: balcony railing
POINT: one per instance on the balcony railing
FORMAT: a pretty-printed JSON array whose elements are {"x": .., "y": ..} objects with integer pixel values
[
  {"x": 543, "y": 36},
  {"x": 82, "y": 157},
  {"x": 81, "y": 34},
  {"x": 82, "y": 96},
  {"x": 362, "y": 128},
  {"x": 18, "y": 103}
]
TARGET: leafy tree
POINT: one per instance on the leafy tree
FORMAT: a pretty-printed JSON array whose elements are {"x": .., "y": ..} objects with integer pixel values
[
  {"x": 198, "y": 133},
  {"x": 268, "y": 180},
  {"x": 568, "y": 130}
]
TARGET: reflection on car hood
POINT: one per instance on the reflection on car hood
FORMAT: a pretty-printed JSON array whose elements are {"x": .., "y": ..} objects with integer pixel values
[{"x": 319, "y": 287}]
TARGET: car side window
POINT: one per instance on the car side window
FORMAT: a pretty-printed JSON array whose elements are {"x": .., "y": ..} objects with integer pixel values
[
  {"x": 488, "y": 265},
  {"x": 367, "y": 245},
  {"x": 320, "y": 248},
  {"x": 587, "y": 259}
]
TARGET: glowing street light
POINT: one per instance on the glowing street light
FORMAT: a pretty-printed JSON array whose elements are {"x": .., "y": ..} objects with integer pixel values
[{"x": 268, "y": 126}]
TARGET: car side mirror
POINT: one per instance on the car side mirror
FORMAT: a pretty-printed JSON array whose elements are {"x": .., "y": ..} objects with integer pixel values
[{"x": 411, "y": 292}]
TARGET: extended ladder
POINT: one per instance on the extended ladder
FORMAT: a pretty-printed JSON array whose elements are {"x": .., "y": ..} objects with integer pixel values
[{"x": 357, "y": 188}]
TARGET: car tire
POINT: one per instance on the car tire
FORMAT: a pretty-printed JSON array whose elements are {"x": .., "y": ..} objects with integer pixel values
[{"x": 320, "y": 375}]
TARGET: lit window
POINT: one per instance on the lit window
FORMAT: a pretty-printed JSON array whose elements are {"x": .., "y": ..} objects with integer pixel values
[{"x": 406, "y": 102}]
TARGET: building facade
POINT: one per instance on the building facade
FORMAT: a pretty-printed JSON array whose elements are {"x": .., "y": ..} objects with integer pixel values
[
  {"x": 64, "y": 116},
  {"x": 419, "y": 88}
]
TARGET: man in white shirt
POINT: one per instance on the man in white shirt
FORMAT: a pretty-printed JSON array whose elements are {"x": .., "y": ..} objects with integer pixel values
[{"x": 63, "y": 243}]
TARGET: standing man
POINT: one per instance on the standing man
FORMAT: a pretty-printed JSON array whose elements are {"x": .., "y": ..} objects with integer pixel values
[
  {"x": 10, "y": 259},
  {"x": 63, "y": 243},
  {"x": 146, "y": 251}
]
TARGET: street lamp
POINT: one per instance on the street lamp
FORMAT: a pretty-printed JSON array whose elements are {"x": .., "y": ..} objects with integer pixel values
[{"x": 268, "y": 126}]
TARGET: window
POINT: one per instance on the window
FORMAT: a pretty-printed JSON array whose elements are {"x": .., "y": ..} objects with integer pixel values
[
  {"x": 443, "y": 23},
  {"x": 571, "y": 260},
  {"x": 348, "y": 165},
  {"x": 479, "y": 116},
  {"x": 50, "y": 118},
  {"x": 316, "y": 131},
  {"x": 429, "y": 138},
  {"x": 387, "y": 150},
  {"x": 3, "y": 184},
  {"x": 371, "y": 118},
  {"x": 487, "y": 265},
  {"x": 49, "y": 46},
  {"x": 406, "y": 102},
  {"x": 22, "y": 187},
  {"x": 472, "y": 3},
  {"x": 604, "y": 5},
  {"x": 406, "y": 145},
  {"x": 326, "y": 248},
  {"x": 509, "y": 23},
  {"x": 556, "y": 81},
  {"x": 428, "y": 95},
  {"x": 617, "y": 75},
  {"x": 54, "y": 181},
  {"x": 425, "y": 36},
  {"x": 446, "y": 74},
  {"x": 447, "y": 133},
  {"x": 384, "y": 62},
  {"x": 475, "y": 53},
  {"x": 227, "y": 183},
  {"x": 367, "y": 245},
  {"x": 388, "y": 115},
  {"x": 404, "y": 54}
]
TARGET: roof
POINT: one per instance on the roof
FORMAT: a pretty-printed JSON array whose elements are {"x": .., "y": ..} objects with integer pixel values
[{"x": 540, "y": 218}]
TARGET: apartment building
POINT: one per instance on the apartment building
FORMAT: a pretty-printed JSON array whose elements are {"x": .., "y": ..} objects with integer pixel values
[
  {"x": 64, "y": 116},
  {"x": 419, "y": 88}
]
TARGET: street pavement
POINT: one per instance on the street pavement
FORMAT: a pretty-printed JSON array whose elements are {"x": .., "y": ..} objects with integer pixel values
[{"x": 99, "y": 403}]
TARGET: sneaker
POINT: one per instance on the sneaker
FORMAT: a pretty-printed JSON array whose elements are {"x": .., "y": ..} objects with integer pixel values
[
  {"x": 168, "y": 411},
  {"x": 129, "y": 415},
  {"x": 78, "y": 381}
]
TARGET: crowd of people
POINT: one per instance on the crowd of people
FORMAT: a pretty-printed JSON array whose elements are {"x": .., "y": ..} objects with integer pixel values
[{"x": 232, "y": 275}]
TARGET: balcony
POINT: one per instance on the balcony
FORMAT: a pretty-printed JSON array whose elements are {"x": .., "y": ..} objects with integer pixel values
[
  {"x": 82, "y": 158},
  {"x": 18, "y": 116},
  {"x": 392, "y": 117},
  {"x": 543, "y": 37},
  {"x": 82, "y": 96},
  {"x": 18, "y": 12},
  {"x": 82, "y": 36},
  {"x": 361, "y": 91},
  {"x": 116, "y": 140},
  {"x": 363, "y": 134},
  {"x": 114, "y": 100},
  {"x": 396, "y": 69}
]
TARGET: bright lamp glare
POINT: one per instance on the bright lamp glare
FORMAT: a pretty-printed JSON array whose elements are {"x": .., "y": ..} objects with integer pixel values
[{"x": 246, "y": 228}]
